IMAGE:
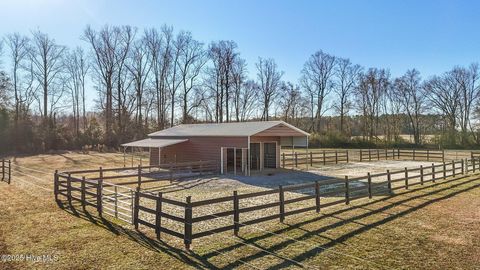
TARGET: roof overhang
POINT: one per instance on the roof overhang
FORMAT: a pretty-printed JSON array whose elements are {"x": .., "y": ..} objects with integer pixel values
[{"x": 151, "y": 142}]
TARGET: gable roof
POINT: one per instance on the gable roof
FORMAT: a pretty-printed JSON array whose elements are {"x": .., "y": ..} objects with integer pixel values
[{"x": 232, "y": 129}]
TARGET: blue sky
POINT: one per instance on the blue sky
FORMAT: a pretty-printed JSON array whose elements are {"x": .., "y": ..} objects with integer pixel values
[{"x": 432, "y": 36}]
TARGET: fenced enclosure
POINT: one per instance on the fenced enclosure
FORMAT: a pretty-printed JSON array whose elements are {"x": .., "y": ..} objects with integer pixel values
[
  {"x": 6, "y": 171},
  {"x": 190, "y": 220},
  {"x": 116, "y": 197},
  {"x": 314, "y": 158}
]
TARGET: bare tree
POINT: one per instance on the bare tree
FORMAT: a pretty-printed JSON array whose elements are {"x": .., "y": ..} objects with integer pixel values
[
  {"x": 191, "y": 60},
  {"x": 407, "y": 90},
  {"x": 347, "y": 76},
  {"x": 269, "y": 79},
  {"x": 316, "y": 79},
  {"x": 225, "y": 66},
  {"x": 46, "y": 57},
  {"x": 77, "y": 67},
  {"x": 444, "y": 95},
  {"x": 103, "y": 44},
  {"x": 160, "y": 47},
  {"x": 139, "y": 66},
  {"x": 19, "y": 51},
  {"x": 290, "y": 102},
  {"x": 371, "y": 90},
  {"x": 238, "y": 72}
]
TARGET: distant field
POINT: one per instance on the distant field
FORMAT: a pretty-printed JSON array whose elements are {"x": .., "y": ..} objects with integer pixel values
[{"x": 430, "y": 227}]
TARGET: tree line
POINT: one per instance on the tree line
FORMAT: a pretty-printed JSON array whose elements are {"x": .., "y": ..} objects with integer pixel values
[{"x": 150, "y": 79}]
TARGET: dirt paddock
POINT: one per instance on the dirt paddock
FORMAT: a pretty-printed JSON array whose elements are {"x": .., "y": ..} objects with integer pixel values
[{"x": 429, "y": 227}]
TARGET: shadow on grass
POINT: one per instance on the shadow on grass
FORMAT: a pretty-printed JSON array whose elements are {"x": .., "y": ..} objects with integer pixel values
[
  {"x": 413, "y": 200},
  {"x": 144, "y": 240},
  {"x": 417, "y": 194}
]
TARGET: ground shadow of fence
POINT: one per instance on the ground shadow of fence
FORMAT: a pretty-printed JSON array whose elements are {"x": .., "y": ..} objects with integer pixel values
[
  {"x": 139, "y": 237},
  {"x": 417, "y": 198}
]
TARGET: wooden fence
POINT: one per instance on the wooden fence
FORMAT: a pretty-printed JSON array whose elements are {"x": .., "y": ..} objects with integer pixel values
[
  {"x": 347, "y": 190},
  {"x": 6, "y": 171},
  {"x": 89, "y": 187},
  {"x": 185, "y": 219},
  {"x": 293, "y": 160},
  {"x": 410, "y": 154},
  {"x": 474, "y": 154}
]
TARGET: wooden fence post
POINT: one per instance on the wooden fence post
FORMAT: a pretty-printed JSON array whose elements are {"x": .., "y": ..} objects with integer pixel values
[
  {"x": 283, "y": 160},
  {"x": 99, "y": 197},
  {"x": 443, "y": 155},
  {"x": 433, "y": 173},
  {"x": 413, "y": 154},
  {"x": 317, "y": 196},
  {"x": 236, "y": 213},
  {"x": 69, "y": 189},
  {"x": 83, "y": 199},
  {"x": 188, "y": 223},
  {"x": 336, "y": 157},
  {"x": 311, "y": 159},
  {"x": 55, "y": 185},
  {"x": 324, "y": 160},
  {"x": 454, "y": 168},
  {"x": 406, "y": 178},
  {"x": 463, "y": 166},
  {"x": 115, "y": 191},
  {"x": 369, "y": 186},
  {"x": 361, "y": 155},
  {"x": 158, "y": 216},
  {"x": 9, "y": 171},
  {"x": 100, "y": 172},
  {"x": 421, "y": 175},
  {"x": 444, "y": 170},
  {"x": 369, "y": 154},
  {"x": 466, "y": 165},
  {"x": 170, "y": 166},
  {"x": 389, "y": 182},
  {"x": 378, "y": 154},
  {"x": 135, "y": 207},
  {"x": 282, "y": 203},
  {"x": 139, "y": 184},
  {"x": 346, "y": 152},
  {"x": 473, "y": 163},
  {"x": 347, "y": 191},
  {"x": 3, "y": 169},
  {"x": 386, "y": 154}
]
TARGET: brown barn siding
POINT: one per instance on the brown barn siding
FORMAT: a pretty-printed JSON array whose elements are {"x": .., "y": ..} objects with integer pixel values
[
  {"x": 200, "y": 148},
  {"x": 279, "y": 130}
]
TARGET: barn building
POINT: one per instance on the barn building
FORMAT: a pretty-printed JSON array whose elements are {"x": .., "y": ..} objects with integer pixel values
[{"x": 238, "y": 147}]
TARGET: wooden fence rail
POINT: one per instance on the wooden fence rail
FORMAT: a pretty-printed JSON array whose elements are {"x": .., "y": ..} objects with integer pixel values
[
  {"x": 6, "y": 171},
  {"x": 293, "y": 160},
  {"x": 155, "y": 210},
  {"x": 353, "y": 189},
  {"x": 410, "y": 154}
]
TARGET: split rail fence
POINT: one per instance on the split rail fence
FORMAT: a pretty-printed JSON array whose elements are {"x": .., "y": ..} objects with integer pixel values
[
  {"x": 6, "y": 171},
  {"x": 185, "y": 219},
  {"x": 293, "y": 160},
  {"x": 110, "y": 190},
  {"x": 410, "y": 154}
]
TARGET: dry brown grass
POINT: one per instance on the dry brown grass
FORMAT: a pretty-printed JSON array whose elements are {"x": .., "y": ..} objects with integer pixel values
[{"x": 430, "y": 227}]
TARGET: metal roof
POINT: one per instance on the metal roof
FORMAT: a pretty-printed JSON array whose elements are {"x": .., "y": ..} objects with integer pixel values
[
  {"x": 232, "y": 129},
  {"x": 153, "y": 142}
]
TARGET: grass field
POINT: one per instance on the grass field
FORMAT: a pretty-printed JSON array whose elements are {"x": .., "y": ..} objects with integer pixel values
[{"x": 431, "y": 227}]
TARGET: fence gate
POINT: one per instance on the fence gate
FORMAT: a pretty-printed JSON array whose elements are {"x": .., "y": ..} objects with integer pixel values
[{"x": 118, "y": 202}]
